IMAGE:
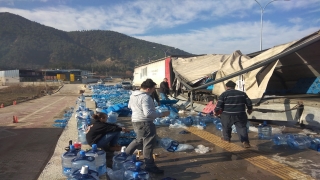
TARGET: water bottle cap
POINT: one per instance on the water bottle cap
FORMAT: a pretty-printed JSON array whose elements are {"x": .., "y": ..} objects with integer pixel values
[
  {"x": 82, "y": 153},
  {"x": 138, "y": 164},
  {"x": 94, "y": 147},
  {"x": 135, "y": 175},
  {"x": 123, "y": 149},
  {"x": 84, "y": 169},
  {"x": 72, "y": 148}
]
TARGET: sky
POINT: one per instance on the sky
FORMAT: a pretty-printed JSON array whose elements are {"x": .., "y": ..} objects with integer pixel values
[{"x": 195, "y": 26}]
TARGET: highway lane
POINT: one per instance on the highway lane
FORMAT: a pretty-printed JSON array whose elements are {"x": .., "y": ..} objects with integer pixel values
[{"x": 27, "y": 146}]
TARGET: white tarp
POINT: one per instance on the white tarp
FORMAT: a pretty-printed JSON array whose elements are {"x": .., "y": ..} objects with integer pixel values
[
  {"x": 193, "y": 69},
  {"x": 255, "y": 81}
]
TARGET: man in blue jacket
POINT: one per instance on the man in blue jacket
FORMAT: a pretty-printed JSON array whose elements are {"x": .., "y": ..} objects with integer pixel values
[
  {"x": 143, "y": 114},
  {"x": 232, "y": 103}
]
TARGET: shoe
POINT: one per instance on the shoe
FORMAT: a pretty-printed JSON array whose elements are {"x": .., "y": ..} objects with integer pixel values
[
  {"x": 246, "y": 145},
  {"x": 222, "y": 139},
  {"x": 154, "y": 170}
]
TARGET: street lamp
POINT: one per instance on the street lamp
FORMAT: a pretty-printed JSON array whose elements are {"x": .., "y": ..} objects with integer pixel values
[
  {"x": 151, "y": 57},
  {"x": 262, "y": 11}
]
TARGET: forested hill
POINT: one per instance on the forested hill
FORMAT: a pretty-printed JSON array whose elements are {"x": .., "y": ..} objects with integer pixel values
[{"x": 25, "y": 44}]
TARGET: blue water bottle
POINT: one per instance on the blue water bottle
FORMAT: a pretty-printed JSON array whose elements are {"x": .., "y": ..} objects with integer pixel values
[
  {"x": 296, "y": 141},
  {"x": 66, "y": 160},
  {"x": 218, "y": 125},
  {"x": 131, "y": 163},
  {"x": 315, "y": 144},
  {"x": 169, "y": 144},
  {"x": 119, "y": 159},
  {"x": 188, "y": 121},
  {"x": 81, "y": 160},
  {"x": 100, "y": 158},
  {"x": 264, "y": 131},
  {"x": 279, "y": 139},
  {"x": 132, "y": 173},
  {"x": 84, "y": 174}
]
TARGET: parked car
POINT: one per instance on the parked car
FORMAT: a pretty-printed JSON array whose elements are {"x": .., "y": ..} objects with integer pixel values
[
  {"x": 100, "y": 81},
  {"x": 126, "y": 85}
]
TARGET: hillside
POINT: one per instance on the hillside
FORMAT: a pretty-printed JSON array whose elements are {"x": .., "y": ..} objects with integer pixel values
[{"x": 25, "y": 44}]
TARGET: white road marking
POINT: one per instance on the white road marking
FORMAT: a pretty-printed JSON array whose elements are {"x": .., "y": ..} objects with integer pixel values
[{"x": 20, "y": 120}]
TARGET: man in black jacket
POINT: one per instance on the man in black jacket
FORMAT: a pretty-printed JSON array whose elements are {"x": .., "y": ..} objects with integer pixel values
[
  {"x": 164, "y": 89},
  {"x": 232, "y": 103}
]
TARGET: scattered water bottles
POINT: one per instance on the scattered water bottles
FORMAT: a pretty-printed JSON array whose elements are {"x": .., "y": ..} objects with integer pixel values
[
  {"x": 84, "y": 174},
  {"x": 296, "y": 141},
  {"x": 82, "y": 160},
  {"x": 169, "y": 144},
  {"x": 100, "y": 158},
  {"x": 136, "y": 173},
  {"x": 66, "y": 160},
  {"x": 264, "y": 131},
  {"x": 119, "y": 159}
]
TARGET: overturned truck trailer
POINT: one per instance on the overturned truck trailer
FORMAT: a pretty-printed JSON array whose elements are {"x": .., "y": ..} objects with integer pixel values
[{"x": 283, "y": 82}]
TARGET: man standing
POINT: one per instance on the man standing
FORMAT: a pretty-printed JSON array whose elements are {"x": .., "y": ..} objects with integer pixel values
[
  {"x": 164, "y": 89},
  {"x": 232, "y": 103},
  {"x": 143, "y": 114}
]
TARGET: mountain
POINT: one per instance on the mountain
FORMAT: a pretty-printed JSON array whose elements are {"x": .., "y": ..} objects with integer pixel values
[{"x": 25, "y": 44}]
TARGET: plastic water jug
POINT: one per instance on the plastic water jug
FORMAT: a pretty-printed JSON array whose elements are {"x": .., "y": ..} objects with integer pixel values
[
  {"x": 100, "y": 158},
  {"x": 119, "y": 159},
  {"x": 112, "y": 117},
  {"x": 136, "y": 173},
  {"x": 296, "y": 141},
  {"x": 279, "y": 139},
  {"x": 218, "y": 125},
  {"x": 234, "y": 129},
  {"x": 315, "y": 144},
  {"x": 157, "y": 121},
  {"x": 188, "y": 121},
  {"x": 82, "y": 160},
  {"x": 131, "y": 163},
  {"x": 84, "y": 174},
  {"x": 215, "y": 120},
  {"x": 264, "y": 131},
  {"x": 169, "y": 144},
  {"x": 66, "y": 160},
  {"x": 82, "y": 135}
]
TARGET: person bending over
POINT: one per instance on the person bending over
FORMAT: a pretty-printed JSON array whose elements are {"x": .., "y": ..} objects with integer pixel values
[{"x": 104, "y": 134}]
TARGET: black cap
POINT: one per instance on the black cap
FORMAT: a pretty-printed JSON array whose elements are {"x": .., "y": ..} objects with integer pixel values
[{"x": 230, "y": 84}]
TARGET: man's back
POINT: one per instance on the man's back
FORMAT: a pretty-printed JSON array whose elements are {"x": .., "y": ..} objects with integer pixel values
[{"x": 234, "y": 102}]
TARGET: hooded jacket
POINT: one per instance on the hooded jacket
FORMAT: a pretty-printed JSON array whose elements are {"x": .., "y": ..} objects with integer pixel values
[{"x": 142, "y": 107}]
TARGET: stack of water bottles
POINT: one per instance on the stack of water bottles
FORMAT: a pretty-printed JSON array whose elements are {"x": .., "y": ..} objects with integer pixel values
[
  {"x": 78, "y": 164},
  {"x": 64, "y": 121},
  {"x": 297, "y": 141}
]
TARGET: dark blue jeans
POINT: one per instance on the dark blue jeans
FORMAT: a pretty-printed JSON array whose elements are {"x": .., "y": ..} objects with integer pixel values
[
  {"x": 109, "y": 139},
  {"x": 240, "y": 121}
]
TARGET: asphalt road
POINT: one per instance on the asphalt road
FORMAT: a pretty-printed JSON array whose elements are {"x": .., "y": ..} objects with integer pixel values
[{"x": 26, "y": 146}]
